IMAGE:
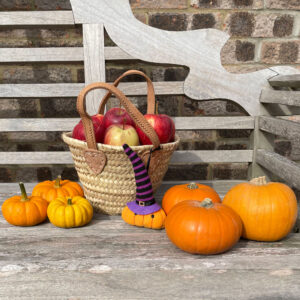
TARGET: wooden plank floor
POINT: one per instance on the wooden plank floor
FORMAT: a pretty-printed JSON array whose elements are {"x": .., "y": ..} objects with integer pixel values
[{"x": 109, "y": 259}]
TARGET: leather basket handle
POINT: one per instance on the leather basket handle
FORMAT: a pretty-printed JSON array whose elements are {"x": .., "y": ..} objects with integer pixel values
[
  {"x": 134, "y": 113},
  {"x": 150, "y": 92}
]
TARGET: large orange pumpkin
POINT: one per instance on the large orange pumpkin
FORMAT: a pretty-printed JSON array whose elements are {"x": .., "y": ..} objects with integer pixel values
[
  {"x": 50, "y": 190},
  {"x": 203, "y": 227},
  {"x": 23, "y": 210},
  {"x": 190, "y": 191},
  {"x": 268, "y": 210}
]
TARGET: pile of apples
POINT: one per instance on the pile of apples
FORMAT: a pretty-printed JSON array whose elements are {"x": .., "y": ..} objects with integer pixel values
[{"x": 117, "y": 128}]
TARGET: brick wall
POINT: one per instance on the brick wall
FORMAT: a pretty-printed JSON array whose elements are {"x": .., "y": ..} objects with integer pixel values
[{"x": 262, "y": 33}]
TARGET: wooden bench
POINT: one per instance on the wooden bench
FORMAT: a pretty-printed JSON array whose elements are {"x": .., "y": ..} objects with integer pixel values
[{"x": 110, "y": 259}]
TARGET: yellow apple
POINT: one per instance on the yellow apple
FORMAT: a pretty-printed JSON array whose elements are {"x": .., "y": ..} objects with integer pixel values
[{"x": 119, "y": 134}]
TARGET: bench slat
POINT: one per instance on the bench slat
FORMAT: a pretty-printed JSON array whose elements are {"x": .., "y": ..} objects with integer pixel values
[
  {"x": 181, "y": 157},
  {"x": 221, "y": 186},
  {"x": 59, "y": 54},
  {"x": 280, "y": 166},
  {"x": 73, "y": 89},
  {"x": 286, "y": 128},
  {"x": 285, "y": 81},
  {"x": 281, "y": 97},
  {"x": 181, "y": 123},
  {"x": 36, "y": 18}
]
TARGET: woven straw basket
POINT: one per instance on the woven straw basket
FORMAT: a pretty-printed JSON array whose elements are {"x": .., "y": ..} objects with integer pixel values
[{"x": 105, "y": 171}]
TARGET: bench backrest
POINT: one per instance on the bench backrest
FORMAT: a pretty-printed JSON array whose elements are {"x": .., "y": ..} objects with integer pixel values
[{"x": 199, "y": 50}]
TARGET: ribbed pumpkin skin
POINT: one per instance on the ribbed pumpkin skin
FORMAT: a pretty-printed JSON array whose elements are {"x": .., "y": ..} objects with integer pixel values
[
  {"x": 200, "y": 230},
  {"x": 49, "y": 192},
  {"x": 268, "y": 212},
  {"x": 182, "y": 192},
  {"x": 62, "y": 214},
  {"x": 156, "y": 222},
  {"x": 27, "y": 213}
]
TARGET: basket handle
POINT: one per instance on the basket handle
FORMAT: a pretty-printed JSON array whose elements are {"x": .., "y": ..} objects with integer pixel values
[
  {"x": 134, "y": 113},
  {"x": 150, "y": 92}
]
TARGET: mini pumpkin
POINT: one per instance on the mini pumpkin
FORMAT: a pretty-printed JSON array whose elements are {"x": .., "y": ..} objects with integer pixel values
[
  {"x": 68, "y": 212},
  {"x": 190, "y": 191},
  {"x": 155, "y": 220},
  {"x": 203, "y": 227},
  {"x": 268, "y": 210},
  {"x": 23, "y": 210},
  {"x": 50, "y": 190}
]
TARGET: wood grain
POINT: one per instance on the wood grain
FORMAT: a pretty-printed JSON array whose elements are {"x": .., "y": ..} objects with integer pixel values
[
  {"x": 94, "y": 260},
  {"x": 221, "y": 186},
  {"x": 36, "y": 18},
  {"x": 94, "y": 63},
  {"x": 179, "y": 157},
  {"x": 292, "y": 80},
  {"x": 286, "y": 169},
  {"x": 181, "y": 123},
  {"x": 207, "y": 78},
  {"x": 276, "y": 126},
  {"x": 73, "y": 89},
  {"x": 281, "y": 97},
  {"x": 59, "y": 54}
]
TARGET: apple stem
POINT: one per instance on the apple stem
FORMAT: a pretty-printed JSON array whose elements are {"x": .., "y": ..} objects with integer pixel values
[{"x": 156, "y": 107}]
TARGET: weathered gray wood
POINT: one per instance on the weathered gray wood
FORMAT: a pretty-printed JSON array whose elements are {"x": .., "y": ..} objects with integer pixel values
[
  {"x": 194, "y": 156},
  {"x": 180, "y": 157},
  {"x": 56, "y": 54},
  {"x": 73, "y": 89},
  {"x": 41, "y": 54},
  {"x": 94, "y": 63},
  {"x": 276, "y": 126},
  {"x": 36, "y": 18},
  {"x": 220, "y": 186},
  {"x": 280, "y": 97},
  {"x": 260, "y": 139},
  {"x": 181, "y": 123},
  {"x": 207, "y": 78},
  {"x": 281, "y": 166},
  {"x": 194, "y": 123},
  {"x": 285, "y": 81},
  {"x": 94, "y": 260}
]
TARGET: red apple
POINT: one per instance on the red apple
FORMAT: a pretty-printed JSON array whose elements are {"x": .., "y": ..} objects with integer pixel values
[
  {"x": 163, "y": 126},
  {"x": 118, "y": 134},
  {"x": 78, "y": 131},
  {"x": 117, "y": 115}
]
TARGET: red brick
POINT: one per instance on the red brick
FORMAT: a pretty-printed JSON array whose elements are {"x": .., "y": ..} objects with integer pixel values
[
  {"x": 283, "y": 4},
  {"x": 280, "y": 53}
]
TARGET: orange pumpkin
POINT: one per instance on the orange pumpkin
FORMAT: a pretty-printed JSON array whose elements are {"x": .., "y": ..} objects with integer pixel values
[
  {"x": 153, "y": 221},
  {"x": 203, "y": 227},
  {"x": 50, "y": 190},
  {"x": 190, "y": 191},
  {"x": 268, "y": 210},
  {"x": 23, "y": 210}
]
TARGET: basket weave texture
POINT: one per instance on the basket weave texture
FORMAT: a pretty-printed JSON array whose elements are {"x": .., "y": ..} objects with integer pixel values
[{"x": 110, "y": 191}]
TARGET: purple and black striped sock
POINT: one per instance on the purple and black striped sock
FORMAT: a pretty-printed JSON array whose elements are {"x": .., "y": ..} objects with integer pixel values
[{"x": 144, "y": 190}]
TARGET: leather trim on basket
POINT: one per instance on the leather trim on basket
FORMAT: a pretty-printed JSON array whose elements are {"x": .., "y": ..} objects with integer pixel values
[
  {"x": 154, "y": 161},
  {"x": 95, "y": 159}
]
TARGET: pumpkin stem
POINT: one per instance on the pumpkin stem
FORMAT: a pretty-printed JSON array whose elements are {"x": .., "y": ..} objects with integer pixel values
[
  {"x": 206, "y": 203},
  {"x": 57, "y": 182},
  {"x": 69, "y": 201},
  {"x": 259, "y": 181},
  {"x": 192, "y": 186},
  {"x": 23, "y": 192}
]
